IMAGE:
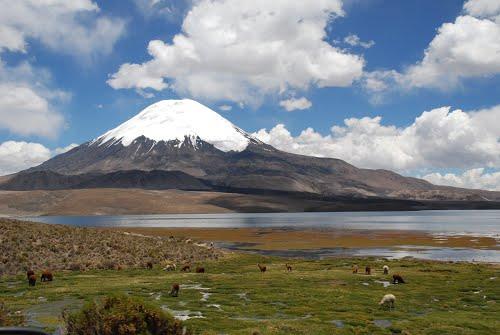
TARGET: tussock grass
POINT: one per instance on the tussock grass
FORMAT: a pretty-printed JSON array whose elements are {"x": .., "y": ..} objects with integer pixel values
[{"x": 28, "y": 245}]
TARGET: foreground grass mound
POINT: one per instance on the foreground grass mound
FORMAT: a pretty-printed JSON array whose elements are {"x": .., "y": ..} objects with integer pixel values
[
  {"x": 29, "y": 245},
  {"x": 121, "y": 315}
]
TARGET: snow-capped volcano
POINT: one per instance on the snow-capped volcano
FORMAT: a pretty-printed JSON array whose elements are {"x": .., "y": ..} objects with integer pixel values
[
  {"x": 183, "y": 144},
  {"x": 178, "y": 120}
]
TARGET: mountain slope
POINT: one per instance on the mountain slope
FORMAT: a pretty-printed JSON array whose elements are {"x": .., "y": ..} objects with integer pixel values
[{"x": 183, "y": 135}]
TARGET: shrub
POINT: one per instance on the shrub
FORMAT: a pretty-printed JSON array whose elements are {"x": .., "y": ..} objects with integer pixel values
[
  {"x": 121, "y": 315},
  {"x": 8, "y": 318}
]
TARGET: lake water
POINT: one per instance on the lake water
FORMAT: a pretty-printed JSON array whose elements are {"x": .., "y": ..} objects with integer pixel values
[
  {"x": 477, "y": 223},
  {"x": 473, "y": 223}
]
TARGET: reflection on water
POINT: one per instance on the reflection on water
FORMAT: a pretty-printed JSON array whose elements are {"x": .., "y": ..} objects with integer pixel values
[
  {"x": 398, "y": 252},
  {"x": 478, "y": 223}
]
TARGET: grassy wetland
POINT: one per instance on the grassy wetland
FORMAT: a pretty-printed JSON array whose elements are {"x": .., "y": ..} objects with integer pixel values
[{"x": 316, "y": 297}]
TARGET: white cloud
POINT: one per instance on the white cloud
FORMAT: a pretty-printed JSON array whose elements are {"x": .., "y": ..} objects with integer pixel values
[
  {"x": 354, "y": 40},
  {"x": 74, "y": 27},
  {"x": 294, "y": 104},
  {"x": 437, "y": 139},
  {"x": 225, "y": 108},
  {"x": 466, "y": 48},
  {"x": 241, "y": 50},
  {"x": 27, "y": 103},
  {"x": 482, "y": 8},
  {"x": 473, "y": 178},
  {"x": 16, "y": 156}
]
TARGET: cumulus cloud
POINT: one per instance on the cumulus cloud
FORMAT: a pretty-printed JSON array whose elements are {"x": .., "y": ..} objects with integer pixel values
[
  {"x": 482, "y": 8},
  {"x": 437, "y": 139},
  {"x": 75, "y": 27},
  {"x": 29, "y": 102},
  {"x": 466, "y": 48},
  {"x": 16, "y": 156},
  {"x": 354, "y": 41},
  {"x": 27, "y": 106},
  {"x": 241, "y": 50},
  {"x": 473, "y": 178},
  {"x": 295, "y": 104}
]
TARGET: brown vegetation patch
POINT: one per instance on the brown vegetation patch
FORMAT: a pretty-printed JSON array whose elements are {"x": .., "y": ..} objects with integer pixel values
[{"x": 28, "y": 245}]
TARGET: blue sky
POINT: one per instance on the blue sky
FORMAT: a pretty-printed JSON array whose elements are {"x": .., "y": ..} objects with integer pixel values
[{"x": 395, "y": 60}]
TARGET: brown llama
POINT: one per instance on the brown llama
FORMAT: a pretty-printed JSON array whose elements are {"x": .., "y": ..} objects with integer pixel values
[
  {"x": 32, "y": 280},
  {"x": 262, "y": 268},
  {"x": 149, "y": 265},
  {"x": 186, "y": 268},
  {"x": 30, "y": 273},
  {"x": 397, "y": 279},
  {"x": 368, "y": 270},
  {"x": 200, "y": 269},
  {"x": 174, "y": 292},
  {"x": 355, "y": 269},
  {"x": 46, "y": 276},
  {"x": 288, "y": 267}
]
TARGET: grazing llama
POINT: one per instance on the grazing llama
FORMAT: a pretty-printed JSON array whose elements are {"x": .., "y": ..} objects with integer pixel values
[
  {"x": 368, "y": 270},
  {"x": 30, "y": 273},
  {"x": 288, "y": 267},
  {"x": 388, "y": 300},
  {"x": 186, "y": 268},
  {"x": 149, "y": 265},
  {"x": 262, "y": 268},
  {"x": 386, "y": 269},
  {"x": 32, "y": 280},
  {"x": 200, "y": 269},
  {"x": 355, "y": 269},
  {"x": 397, "y": 279},
  {"x": 174, "y": 292},
  {"x": 170, "y": 267},
  {"x": 46, "y": 276}
]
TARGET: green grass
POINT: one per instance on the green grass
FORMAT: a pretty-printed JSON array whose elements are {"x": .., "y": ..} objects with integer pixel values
[{"x": 439, "y": 298}]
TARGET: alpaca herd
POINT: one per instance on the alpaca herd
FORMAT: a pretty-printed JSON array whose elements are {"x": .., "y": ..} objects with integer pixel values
[
  {"x": 44, "y": 277},
  {"x": 388, "y": 299}
]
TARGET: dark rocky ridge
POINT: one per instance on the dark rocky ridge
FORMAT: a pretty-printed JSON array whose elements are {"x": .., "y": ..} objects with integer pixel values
[
  {"x": 258, "y": 167},
  {"x": 156, "y": 180}
]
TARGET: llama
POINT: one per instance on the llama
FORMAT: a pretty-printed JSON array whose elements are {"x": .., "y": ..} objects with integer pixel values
[
  {"x": 368, "y": 270},
  {"x": 262, "y": 268},
  {"x": 32, "y": 280},
  {"x": 174, "y": 292},
  {"x": 288, "y": 267},
  {"x": 186, "y": 268},
  {"x": 386, "y": 269},
  {"x": 200, "y": 269},
  {"x": 30, "y": 273},
  {"x": 46, "y": 276},
  {"x": 389, "y": 300},
  {"x": 397, "y": 279},
  {"x": 355, "y": 269},
  {"x": 149, "y": 265}
]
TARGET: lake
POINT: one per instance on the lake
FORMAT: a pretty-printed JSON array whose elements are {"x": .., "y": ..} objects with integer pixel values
[
  {"x": 484, "y": 223},
  {"x": 472, "y": 222}
]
